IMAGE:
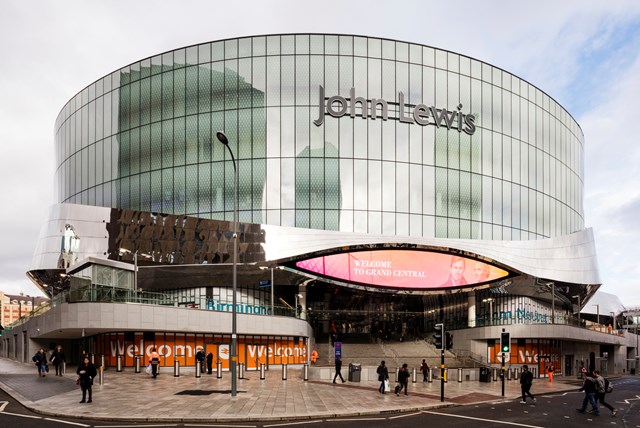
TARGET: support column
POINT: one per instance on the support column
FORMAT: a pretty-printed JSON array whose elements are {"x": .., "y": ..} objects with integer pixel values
[{"x": 472, "y": 309}]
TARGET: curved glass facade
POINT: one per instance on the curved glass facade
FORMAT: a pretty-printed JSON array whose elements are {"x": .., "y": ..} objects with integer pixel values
[{"x": 384, "y": 155}]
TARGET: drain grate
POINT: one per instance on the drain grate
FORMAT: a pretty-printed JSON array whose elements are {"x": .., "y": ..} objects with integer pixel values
[
  {"x": 204, "y": 392},
  {"x": 194, "y": 392}
]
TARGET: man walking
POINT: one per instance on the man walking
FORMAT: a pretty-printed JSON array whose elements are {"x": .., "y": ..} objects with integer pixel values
[
  {"x": 338, "y": 369},
  {"x": 526, "y": 379},
  {"x": 589, "y": 388},
  {"x": 424, "y": 368},
  {"x": 601, "y": 390},
  {"x": 403, "y": 379}
]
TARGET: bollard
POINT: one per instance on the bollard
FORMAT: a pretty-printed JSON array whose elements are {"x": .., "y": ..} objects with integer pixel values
[
  {"x": 198, "y": 369},
  {"x": 459, "y": 375},
  {"x": 284, "y": 372},
  {"x": 92, "y": 358},
  {"x": 118, "y": 363},
  {"x": 241, "y": 371},
  {"x": 136, "y": 363},
  {"x": 509, "y": 373},
  {"x": 262, "y": 370},
  {"x": 534, "y": 371},
  {"x": 305, "y": 372},
  {"x": 397, "y": 371},
  {"x": 414, "y": 377},
  {"x": 101, "y": 371},
  {"x": 516, "y": 373},
  {"x": 430, "y": 376},
  {"x": 219, "y": 369},
  {"x": 495, "y": 374},
  {"x": 176, "y": 368},
  {"x": 64, "y": 367}
]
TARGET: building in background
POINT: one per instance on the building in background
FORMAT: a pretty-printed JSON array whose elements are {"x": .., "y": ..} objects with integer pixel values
[
  {"x": 384, "y": 187},
  {"x": 14, "y": 306}
]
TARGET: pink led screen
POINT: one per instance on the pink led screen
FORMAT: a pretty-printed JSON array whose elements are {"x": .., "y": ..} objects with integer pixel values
[{"x": 403, "y": 269}]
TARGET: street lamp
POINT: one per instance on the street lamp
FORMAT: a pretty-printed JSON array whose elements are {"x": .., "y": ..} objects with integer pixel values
[
  {"x": 298, "y": 299},
  {"x": 598, "y": 314},
  {"x": 490, "y": 300},
  {"x": 234, "y": 389},
  {"x": 272, "y": 282},
  {"x": 135, "y": 264},
  {"x": 579, "y": 307}
]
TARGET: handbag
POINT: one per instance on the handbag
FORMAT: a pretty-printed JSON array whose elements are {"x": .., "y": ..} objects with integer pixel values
[
  {"x": 387, "y": 386},
  {"x": 78, "y": 381},
  {"x": 147, "y": 370}
]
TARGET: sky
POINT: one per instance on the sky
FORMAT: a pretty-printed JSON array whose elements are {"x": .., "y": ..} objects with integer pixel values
[{"x": 583, "y": 53}]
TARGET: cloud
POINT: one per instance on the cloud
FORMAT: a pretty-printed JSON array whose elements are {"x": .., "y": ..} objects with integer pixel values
[{"x": 582, "y": 53}]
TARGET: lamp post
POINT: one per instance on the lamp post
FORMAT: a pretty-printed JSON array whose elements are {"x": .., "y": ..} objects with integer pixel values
[
  {"x": 490, "y": 300},
  {"x": 579, "y": 307},
  {"x": 273, "y": 284},
  {"x": 598, "y": 314},
  {"x": 234, "y": 388}
]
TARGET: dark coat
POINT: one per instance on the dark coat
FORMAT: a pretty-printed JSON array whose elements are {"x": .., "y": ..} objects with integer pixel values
[
  {"x": 383, "y": 372},
  {"x": 338, "y": 364},
  {"x": 526, "y": 378},
  {"x": 57, "y": 358},
  {"x": 403, "y": 375},
  {"x": 40, "y": 358},
  {"x": 86, "y": 372}
]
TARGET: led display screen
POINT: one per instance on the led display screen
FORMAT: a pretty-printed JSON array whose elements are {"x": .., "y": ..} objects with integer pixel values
[{"x": 405, "y": 269}]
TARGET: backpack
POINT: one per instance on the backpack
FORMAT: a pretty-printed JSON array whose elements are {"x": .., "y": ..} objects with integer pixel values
[{"x": 608, "y": 386}]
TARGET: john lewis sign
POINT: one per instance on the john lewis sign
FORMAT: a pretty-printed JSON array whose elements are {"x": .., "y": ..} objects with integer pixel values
[{"x": 420, "y": 114}]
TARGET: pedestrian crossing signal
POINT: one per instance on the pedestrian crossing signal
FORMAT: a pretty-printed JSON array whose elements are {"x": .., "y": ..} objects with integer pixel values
[
  {"x": 439, "y": 336},
  {"x": 505, "y": 342}
]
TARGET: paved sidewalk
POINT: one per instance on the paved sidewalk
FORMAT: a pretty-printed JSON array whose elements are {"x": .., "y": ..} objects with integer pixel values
[{"x": 138, "y": 397}]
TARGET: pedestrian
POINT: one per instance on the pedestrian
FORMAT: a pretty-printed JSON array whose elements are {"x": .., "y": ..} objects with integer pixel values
[
  {"x": 526, "y": 379},
  {"x": 200, "y": 359},
  {"x": 314, "y": 356},
  {"x": 550, "y": 371},
  {"x": 86, "y": 373},
  {"x": 424, "y": 368},
  {"x": 58, "y": 360},
  {"x": 403, "y": 380},
  {"x": 383, "y": 376},
  {"x": 338, "y": 369},
  {"x": 210, "y": 363},
  {"x": 589, "y": 386},
  {"x": 601, "y": 390},
  {"x": 155, "y": 360},
  {"x": 40, "y": 358}
]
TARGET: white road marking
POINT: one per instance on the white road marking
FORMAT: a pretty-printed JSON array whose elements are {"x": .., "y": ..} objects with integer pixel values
[
  {"x": 3, "y": 405},
  {"x": 22, "y": 416},
  {"x": 136, "y": 426},
  {"x": 217, "y": 426},
  {"x": 292, "y": 423},
  {"x": 66, "y": 422},
  {"x": 404, "y": 416},
  {"x": 481, "y": 419}
]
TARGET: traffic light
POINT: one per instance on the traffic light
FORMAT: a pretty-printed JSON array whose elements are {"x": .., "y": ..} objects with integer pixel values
[
  {"x": 505, "y": 342},
  {"x": 448, "y": 341},
  {"x": 439, "y": 336}
]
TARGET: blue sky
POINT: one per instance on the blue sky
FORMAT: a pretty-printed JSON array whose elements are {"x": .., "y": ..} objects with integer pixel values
[{"x": 583, "y": 53}]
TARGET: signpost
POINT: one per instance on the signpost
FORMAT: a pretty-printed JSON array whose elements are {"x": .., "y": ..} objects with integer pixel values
[{"x": 264, "y": 284}]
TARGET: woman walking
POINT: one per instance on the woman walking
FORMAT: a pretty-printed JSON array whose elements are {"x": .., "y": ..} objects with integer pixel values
[
  {"x": 58, "y": 360},
  {"x": 86, "y": 373},
  {"x": 41, "y": 362},
  {"x": 383, "y": 376}
]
